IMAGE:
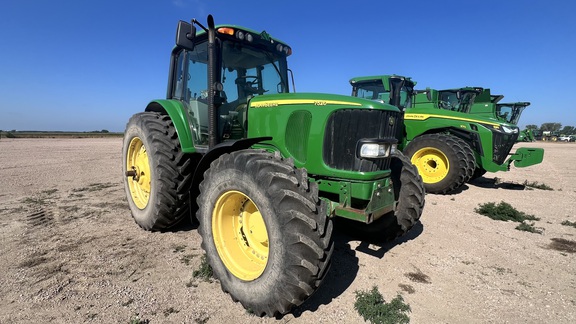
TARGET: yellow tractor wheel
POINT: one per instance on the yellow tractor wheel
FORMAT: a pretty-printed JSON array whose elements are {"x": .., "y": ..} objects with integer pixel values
[
  {"x": 266, "y": 235},
  {"x": 155, "y": 171},
  {"x": 444, "y": 161}
]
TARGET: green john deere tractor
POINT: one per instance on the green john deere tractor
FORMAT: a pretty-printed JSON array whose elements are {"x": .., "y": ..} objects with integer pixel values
[
  {"x": 447, "y": 144},
  {"x": 526, "y": 135},
  {"x": 263, "y": 170}
]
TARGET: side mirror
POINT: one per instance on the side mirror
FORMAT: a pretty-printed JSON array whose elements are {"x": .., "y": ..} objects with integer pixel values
[
  {"x": 428, "y": 94},
  {"x": 185, "y": 35}
]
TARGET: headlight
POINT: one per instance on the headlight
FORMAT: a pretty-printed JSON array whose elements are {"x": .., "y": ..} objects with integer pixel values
[
  {"x": 375, "y": 149},
  {"x": 509, "y": 130}
]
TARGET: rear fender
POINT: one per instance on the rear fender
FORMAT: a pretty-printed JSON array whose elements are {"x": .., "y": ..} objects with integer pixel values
[{"x": 179, "y": 116}]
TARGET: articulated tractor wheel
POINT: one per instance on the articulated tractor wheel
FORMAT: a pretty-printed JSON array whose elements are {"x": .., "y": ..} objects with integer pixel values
[
  {"x": 264, "y": 230},
  {"x": 445, "y": 162},
  {"x": 409, "y": 195},
  {"x": 156, "y": 172}
]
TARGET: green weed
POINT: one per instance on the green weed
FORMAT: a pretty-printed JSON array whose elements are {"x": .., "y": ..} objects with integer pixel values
[
  {"x": 503, "y": 212},
  {"x": 372, "y": 307},
  {"x": 569, "y": 223},
  {"x": 537, "y": 185},
  {"x": 529, "y": 228},
  {"x": 205, "y": 271}
]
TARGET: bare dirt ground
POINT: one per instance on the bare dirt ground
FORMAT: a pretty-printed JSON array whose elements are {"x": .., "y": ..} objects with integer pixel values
[{"x": 71, "y": 253}]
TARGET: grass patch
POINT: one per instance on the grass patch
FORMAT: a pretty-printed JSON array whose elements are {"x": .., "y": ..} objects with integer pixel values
[
  {"x": 529, "y": 228},
  {"x": 205, "y": 271},
  {"x": 503, "y": 212},
  {"x": 537, "y": 185},
  {"x": 569, "y": 223},
  {"x": 372, "y": 307}
]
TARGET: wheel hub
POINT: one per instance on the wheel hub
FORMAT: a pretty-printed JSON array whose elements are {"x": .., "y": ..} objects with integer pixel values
[
  {"x": 432, "y": 164},
  {"x": 138, "y": 173},
  {"x": 240, "y": 235}
]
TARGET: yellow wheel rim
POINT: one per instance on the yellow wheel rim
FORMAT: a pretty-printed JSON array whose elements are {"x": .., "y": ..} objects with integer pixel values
[
  {"x": 139, "y": 183},
  {"x": 240, "y": 235},
  {"x": 432, "y": 164}
]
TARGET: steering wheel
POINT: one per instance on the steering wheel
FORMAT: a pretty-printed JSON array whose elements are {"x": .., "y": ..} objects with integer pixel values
[
  {"x": 251, "y": 84},
  {"x": 249, "y": 79}
]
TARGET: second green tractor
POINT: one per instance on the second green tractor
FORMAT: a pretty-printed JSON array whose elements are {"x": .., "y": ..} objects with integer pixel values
[{"x": 448, "y": 144}]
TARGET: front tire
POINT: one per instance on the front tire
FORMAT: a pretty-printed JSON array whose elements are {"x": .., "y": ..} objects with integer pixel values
[
  {"x": 264, "y": 230},
  {"x": 443, "y": 164},
  {"x": 157, "y": 174}
]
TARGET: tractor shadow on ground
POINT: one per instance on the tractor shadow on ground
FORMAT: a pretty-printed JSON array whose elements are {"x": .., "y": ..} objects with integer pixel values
[
  {"x": 378, "y": 250},
  {"x": 345, "y": 266},
  {"x": 496, "y": 183}
]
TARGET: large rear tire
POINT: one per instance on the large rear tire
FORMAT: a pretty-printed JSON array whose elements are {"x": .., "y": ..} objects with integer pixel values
[
  {"x": 441, "y": 161},
  {"x": 264, "y": 230},
  {"x": 409, "y": 195},
  {"x": 157, "y": 174}
]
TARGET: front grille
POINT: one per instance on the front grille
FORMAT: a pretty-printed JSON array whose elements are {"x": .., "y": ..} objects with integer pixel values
[
  {"x": 347, "y": 126},
  {"x": 502, "y": 145}
]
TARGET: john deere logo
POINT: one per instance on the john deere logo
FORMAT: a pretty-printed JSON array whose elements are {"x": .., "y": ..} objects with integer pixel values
[{"x": 391, "y": 121}]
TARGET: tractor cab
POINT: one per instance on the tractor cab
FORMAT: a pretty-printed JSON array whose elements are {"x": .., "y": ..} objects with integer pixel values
[
  {"x": 240, "y": 63},
  {"x": 459, "y": 100},
  {"x": 511, "y": 112},
  {"x": 395, "y": 90}
]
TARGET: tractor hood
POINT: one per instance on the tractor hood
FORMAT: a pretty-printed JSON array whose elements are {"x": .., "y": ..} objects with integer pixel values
[{"x": 317, "y": 99}]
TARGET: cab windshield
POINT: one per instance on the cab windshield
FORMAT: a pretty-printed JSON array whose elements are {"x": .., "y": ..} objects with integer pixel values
[
  {"x": 456, "y": 100},
  {"x": 244, "y": 72},
  {"x": 373, "y": 90},
  {"x": 509, "y": 113}
]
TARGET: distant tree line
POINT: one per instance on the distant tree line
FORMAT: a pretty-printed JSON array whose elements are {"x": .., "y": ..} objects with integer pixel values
[
  {"x": 553, "y": 127},
  {"x": 39, "y": 134}
]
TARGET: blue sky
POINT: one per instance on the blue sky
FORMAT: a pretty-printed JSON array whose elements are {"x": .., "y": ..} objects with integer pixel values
[{"x": 75, "y": 65}]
